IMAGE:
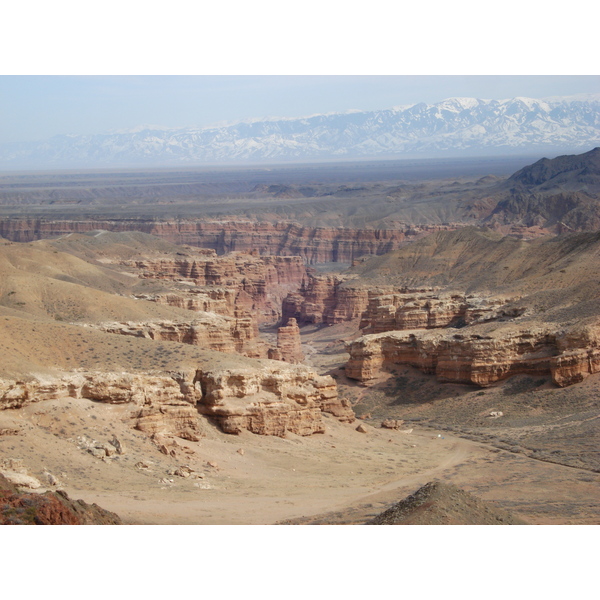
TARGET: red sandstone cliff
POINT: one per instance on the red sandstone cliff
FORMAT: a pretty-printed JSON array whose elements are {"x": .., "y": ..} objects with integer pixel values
[
  {"x": 238, "y": 284},
  {"x": 312, "y": 244},
  {"x": 482, "y": 355}
]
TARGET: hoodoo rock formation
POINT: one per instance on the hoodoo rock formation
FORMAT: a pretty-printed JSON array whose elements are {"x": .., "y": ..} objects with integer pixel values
[
  {"x": 289, "y": 346},
  {"x": 483, "y": 355}
]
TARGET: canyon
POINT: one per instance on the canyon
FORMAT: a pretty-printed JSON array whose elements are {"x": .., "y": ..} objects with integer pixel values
[{"x": 231, "y": 357}]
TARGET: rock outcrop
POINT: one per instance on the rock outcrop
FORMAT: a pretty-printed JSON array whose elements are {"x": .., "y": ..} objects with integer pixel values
[
  {"x": 430, "y": 309},
  {"x": 209, "y": 330},
  {"x": 271, "y": 400},
  {"x": 323, "y": 299},
  {"x": 482, "y": 356},
  {"x": 50, "y": 508},
  {"x": 289, "y": 346},
  {"x": 219, "y": 300},
  {"x": 332, "y": 299},
  {"x": 167, "y": 404},
  {"x": 268, "y": 399}
]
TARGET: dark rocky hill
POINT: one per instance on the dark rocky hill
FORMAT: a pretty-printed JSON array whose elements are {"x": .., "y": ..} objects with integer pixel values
[
  {"x": 578, "y": 168},
  {"x": 438, "y": 503},
  {"x": 560, "y": 194}
]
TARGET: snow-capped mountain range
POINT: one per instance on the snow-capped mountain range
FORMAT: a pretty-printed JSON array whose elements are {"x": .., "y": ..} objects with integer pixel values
[{"x": 455, "y": 125}]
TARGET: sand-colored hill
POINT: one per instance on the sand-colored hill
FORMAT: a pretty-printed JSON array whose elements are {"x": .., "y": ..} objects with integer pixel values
[{"x": 479, "y": 260}]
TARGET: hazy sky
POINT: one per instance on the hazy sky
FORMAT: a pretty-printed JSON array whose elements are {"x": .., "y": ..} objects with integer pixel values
[{"x": 37, "y": 107}]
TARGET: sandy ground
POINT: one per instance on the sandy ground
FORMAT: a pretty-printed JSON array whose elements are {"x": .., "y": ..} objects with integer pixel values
[{"x": 341, "y": 476}]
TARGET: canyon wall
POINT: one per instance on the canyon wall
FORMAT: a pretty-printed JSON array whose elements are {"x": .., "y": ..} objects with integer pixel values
[
  {"x": 481, "y": 356},
  {"x": 266, "y": 398},
  {"x": 237, "y": 284},
  {"x": 332, "y": 299},
  {"x": 312, "y": 244},
  {"x": 323, "y": 299}
]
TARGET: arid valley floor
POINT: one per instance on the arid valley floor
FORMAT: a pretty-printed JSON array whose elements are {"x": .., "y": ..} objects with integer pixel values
[{"x": 306, "y": 344}]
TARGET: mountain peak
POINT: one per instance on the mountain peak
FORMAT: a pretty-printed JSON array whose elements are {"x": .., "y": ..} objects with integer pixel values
[{"x": 454, "y": 125}]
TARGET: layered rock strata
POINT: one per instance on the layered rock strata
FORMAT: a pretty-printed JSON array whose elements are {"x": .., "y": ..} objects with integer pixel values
[
  {"x": 313, "y": 244},
  {"x": 209, "y": 330},
  {"x": 221, "y": 301},
  {"x": 323, "y": 299},
  {"x": 481, "y": 356},
  {"x": 165, "y": 404},
  {"x": 429, "y": 309},
  {"x": 289, "y": 345},
  {"x": 268, "y": 399},
  {"x": 260, "y": 283},
  {"x": 271, "y": 400},
  {"x": 332, "y": 299}
]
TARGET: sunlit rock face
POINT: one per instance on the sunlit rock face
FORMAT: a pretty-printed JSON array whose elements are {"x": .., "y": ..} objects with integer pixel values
[
  {"x": 481, "y": 357},
  {"x": 270, "y": 400}
]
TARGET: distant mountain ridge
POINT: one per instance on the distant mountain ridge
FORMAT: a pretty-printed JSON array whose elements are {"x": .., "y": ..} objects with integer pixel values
[{"x": 451, "y": 126}]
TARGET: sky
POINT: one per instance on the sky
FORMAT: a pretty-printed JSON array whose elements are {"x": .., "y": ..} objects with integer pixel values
[
  {"x": 40, "y": 106},
  {"x": 73, "y": 68}
]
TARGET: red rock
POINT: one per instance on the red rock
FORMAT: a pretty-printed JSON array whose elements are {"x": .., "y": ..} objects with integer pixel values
[
  {"x": 482, "y": 356},
  {"x": 313, "y": 244}
]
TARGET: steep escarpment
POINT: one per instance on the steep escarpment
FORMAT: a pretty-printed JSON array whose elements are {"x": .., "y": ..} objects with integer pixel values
[
  {"x": 323, "y": 299},
  {"x": 312, "y": 244}
]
